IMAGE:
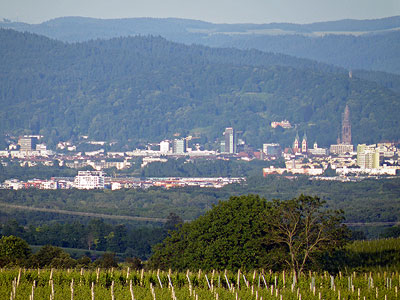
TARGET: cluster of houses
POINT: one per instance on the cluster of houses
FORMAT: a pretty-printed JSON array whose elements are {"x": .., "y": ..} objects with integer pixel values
[
  {"x": 341, "y": 158},
  {"x": 89, "y": 180},
  {"x": 374, "y": 160}
]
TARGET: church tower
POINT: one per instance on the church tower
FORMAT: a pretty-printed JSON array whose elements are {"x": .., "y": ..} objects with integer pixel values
[
  {"x": 304, "y": 144},
  {"x": 296, "y": 144},
  {"x": 346, "y": 127}
]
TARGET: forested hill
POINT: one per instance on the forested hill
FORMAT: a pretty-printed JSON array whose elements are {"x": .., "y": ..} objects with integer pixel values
[
  {"x": 147, "y": 89},
  {"x": 352, "y": 44}
]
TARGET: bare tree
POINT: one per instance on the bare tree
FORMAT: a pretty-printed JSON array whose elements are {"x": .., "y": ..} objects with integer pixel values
[{"x": 304, "y": 228}]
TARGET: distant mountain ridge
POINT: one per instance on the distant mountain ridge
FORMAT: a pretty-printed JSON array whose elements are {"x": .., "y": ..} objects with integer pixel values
[
  {"x": 129, "y": 26},
  {"x": 352, "y": 44},
  {"x": 140, "y": 89}
]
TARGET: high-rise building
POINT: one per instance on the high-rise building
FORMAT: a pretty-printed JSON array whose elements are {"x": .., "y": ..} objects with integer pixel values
[
  {"x": 368, "y": 156},
  {"x": 27, "y": 143},
  {"x": 179, "y": 146},
  {"x": 230, "y": 140},
  {"x": 346, "y": 127}
]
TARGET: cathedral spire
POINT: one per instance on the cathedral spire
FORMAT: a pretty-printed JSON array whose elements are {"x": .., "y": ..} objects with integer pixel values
[{"x": 346, "y": 126}]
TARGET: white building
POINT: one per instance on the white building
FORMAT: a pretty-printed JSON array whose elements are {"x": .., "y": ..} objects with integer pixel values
[
  {"x": 164, "y": 146},
  {"x": 341, "y": 149},
  {"x": 89, "y": 180},
  {"x": 283, "y": 124},
  {"x": 14, "y": 184},
  {"x": 317, "y": 151},
  {"x": 149, "y": 159},
  {"x": 303, "y": 171}
]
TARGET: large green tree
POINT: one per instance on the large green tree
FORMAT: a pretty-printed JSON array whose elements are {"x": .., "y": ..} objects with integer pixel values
[
  {"x": 248, "y": 232},
  {"x": 50, "y": 256},
  {"x": 13, "y": 250},
  {"x": 231, "y": 235}
]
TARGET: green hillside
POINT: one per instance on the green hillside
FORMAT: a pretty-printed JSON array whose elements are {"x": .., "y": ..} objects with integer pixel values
[
  {"x": 141, "y": 89},
  {"x": 353, "y": 44}
]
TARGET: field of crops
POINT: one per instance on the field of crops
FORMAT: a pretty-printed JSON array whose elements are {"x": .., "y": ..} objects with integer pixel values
[
  {"x": 375, "y": 246},
  {"x": 142, "y": 285}
]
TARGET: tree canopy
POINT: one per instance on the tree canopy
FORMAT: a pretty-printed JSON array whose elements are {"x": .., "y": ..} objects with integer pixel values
[
  {"x": 13, "y": 250},
  {"x": 231, "y": 235},
  {"x": 248, "y": 232}
]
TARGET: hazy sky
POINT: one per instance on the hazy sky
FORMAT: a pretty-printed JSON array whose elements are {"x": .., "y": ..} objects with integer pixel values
[{"x": 217, "y": 11}]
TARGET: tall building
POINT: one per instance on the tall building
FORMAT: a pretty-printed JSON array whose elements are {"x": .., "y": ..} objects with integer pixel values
[
  {"x": 230, "y": 140},
  {"x": 346, "y": 127},
  {"x": 179, "y": 146},
  {"x": 27, "y": 143},
  {"x": 344, "y": 143},
  {"x": 368, "y": 156}
]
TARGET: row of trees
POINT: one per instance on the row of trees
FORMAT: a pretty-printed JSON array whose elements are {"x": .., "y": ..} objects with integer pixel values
[
  {"x": 247, "y": 232},
  {"x": 95, "y": 235},
  {"x": 15, "y": 251},
  {"x": 207, "y": 168}
]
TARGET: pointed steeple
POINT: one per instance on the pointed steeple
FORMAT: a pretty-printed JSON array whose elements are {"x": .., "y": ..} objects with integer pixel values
[
  {"x": 296, "y": 143},
  {"x": 346, "y": 126},
  {"x": 304, "y": 143}
]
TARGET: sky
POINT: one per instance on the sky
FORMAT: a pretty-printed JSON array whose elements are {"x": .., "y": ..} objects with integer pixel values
[{"x": 216, "y": 11}]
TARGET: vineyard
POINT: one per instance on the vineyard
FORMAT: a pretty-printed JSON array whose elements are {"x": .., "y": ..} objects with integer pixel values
[{"x": 126, "y": 284}]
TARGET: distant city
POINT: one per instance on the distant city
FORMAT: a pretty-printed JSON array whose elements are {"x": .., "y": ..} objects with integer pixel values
[{"x": 340, "y": 162}]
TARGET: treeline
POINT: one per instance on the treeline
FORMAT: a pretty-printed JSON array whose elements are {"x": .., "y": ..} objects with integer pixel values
[
  {"x": 369, "y": 52},
  {"x": 96, "y": 235},
  {"x": 15, "y": 170},
  {"x": 15, "y": 251},
  {"x": 207, "y": 168},
  {"x": 102, "y": 89}
]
